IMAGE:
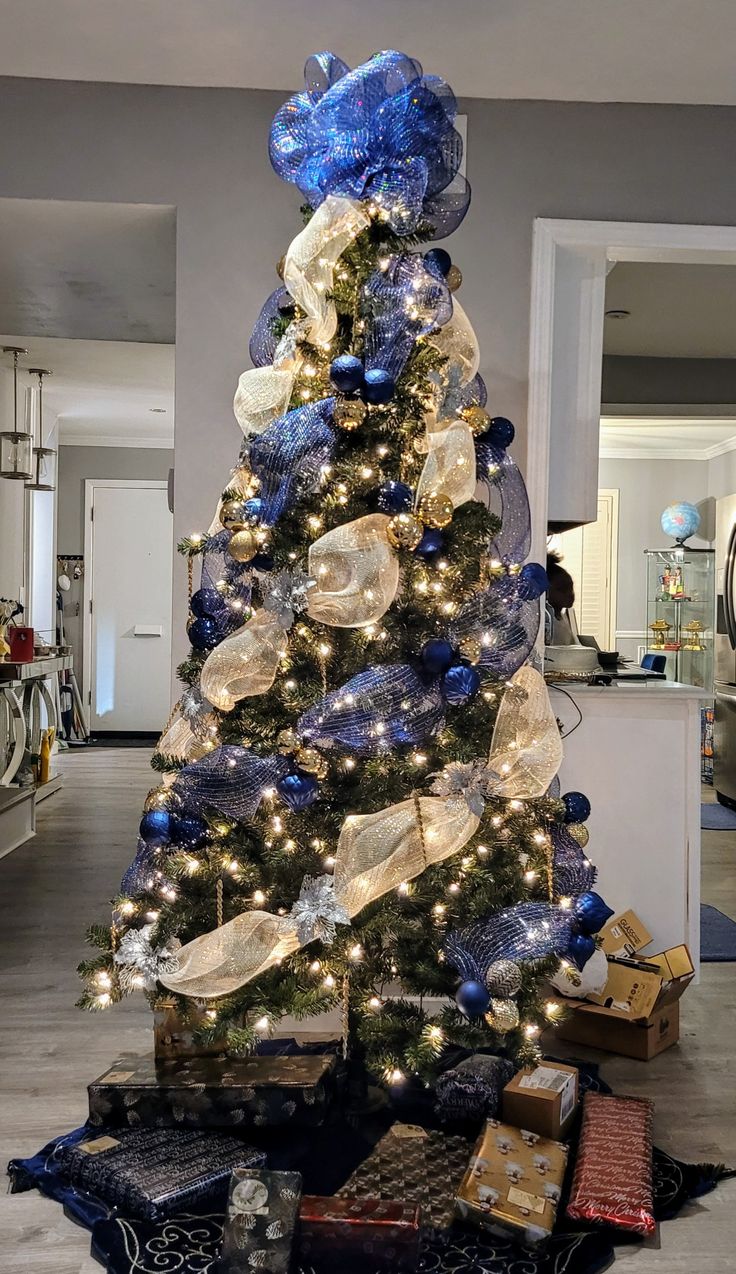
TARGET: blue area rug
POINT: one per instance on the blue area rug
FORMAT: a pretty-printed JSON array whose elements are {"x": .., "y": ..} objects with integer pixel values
[
  {"x": 717, "y": 936},
  {"x": 717, "y": 818}
]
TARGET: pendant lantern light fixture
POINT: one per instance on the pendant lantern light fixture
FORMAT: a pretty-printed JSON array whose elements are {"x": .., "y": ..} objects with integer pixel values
[
  {"x": 16, "y": 446},
  {"x": 44, "y": 458}
]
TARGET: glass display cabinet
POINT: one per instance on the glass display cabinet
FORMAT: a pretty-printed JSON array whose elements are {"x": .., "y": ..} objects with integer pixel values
[{"x": 681, "y": 612}]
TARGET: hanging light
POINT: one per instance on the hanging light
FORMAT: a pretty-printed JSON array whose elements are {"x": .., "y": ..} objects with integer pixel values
[
  {"x": 16, "y": 447},
  {"x": 44, "y": 458}
]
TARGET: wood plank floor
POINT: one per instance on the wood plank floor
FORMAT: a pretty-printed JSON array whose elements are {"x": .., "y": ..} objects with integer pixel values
[{"x": 54, "y": 885}]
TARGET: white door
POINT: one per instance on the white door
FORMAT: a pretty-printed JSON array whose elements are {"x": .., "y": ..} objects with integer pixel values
[
  {"x": 127, "y": 659},
  {"x": 590, "y": 555}
]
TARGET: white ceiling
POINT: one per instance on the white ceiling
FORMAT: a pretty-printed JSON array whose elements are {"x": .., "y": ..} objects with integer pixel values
[
  {"x": 87, "y": 271},
  {"x": 677, "y": 311},
  {"x": 667, "y": 437},
  {"x": 570, "y": 50},
  {"x": 103, "y": 392}
]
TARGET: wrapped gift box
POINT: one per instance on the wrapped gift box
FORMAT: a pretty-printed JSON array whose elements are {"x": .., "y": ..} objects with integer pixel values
[
  {"x": 260, "y": 1223},
  {"x": 513, "y": 1183},
  {"x": 612, "y": 1183},
  {"x": 212, "y": 1092},
  {"x": 416, "y": 1166},
  {"x": 153, "y": 1173},
  {"x": 359, "y": 1234}
]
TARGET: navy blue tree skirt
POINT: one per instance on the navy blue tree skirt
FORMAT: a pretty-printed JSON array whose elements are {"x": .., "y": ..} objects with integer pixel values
[{"x": 190, "y": 1243}]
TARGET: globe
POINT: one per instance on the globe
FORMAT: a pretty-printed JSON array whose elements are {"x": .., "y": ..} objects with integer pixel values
[{"x": 680, "y": 520}]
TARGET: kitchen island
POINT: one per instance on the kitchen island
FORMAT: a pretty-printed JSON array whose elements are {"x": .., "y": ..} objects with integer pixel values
[{"x": 634, "y": 749}]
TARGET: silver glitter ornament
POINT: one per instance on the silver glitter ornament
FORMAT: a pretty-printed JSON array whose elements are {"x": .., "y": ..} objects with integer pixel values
[{"x": 503, "y": 979}]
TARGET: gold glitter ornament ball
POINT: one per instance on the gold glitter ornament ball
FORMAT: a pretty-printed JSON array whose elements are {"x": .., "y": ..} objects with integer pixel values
[
  {"x": 579, "y": 833},
  {"x": 404, "y": 531},
  {"x": 348, "y": 414},
  {"x": 243, "y": 545},
  {"x": 232, "y": 515},
  {"x": 471, "y": 649},
  {"x": 159, "y": 798},
  {"x": 287, "y": 741},
  {"x": 312, "y": 761},
  {"x": 503, "y": 1017},
  {"x": 436, "y": 509},
  {"x": 454, "y": 278},
  {"x": 476, "y": 418}
]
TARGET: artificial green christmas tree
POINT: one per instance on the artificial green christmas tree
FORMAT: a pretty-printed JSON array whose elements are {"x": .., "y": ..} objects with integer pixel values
[{"x": 356, "y": 808}]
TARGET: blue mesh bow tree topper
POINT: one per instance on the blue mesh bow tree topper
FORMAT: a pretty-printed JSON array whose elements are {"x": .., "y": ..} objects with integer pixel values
[{"x": 358, "y": 806}]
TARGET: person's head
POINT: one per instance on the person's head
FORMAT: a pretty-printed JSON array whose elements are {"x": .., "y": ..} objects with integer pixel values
[{"x": 561, "y": 590}]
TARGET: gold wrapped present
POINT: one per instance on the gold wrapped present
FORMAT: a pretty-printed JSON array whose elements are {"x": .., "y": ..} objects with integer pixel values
[{"x": 513, "y": 1183}]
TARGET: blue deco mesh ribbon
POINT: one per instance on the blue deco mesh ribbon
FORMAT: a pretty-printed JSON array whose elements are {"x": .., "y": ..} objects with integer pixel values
[
  {"x": 572, "y": 872},
  {"x": 456, "y": 396},
  {"x": 401, "y": 303},
  {"x": 144, "y": 873},
  {"x": 230, "y": 779},
  {"x": 527, "y": 931},
  {"x": 504, "y": 621},
  {"x": 219, "y": 568},
  {"x": 507, "y": 497},
  {"x": 375, "y": 711},
  {"x": 264, "y": 340},
  {"x": 382, "y": 132},
  {"x": 289, "y": 455}
]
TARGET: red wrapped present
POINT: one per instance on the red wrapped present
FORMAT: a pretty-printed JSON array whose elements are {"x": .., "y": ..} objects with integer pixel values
[
  {"x": 370, "y": 1234},
  {"x": 612, "y": 1184}
]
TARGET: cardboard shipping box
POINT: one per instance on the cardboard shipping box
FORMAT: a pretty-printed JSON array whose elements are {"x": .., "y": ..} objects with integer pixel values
[
  {"x": 624, "y": 935},
  {"x": 600, "y": 1028},
  {"x": 637, "y": 1014},
  {"x": 542, "y": 1099}
]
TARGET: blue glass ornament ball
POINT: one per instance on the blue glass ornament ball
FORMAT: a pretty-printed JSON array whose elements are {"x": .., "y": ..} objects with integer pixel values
[
  {"x": 591, "y": 912},
  {"x": 298, "y": 791},
  {"x": 158, "y": 828},
  {"x": 379, "y": 387},
  {"x": 261, "y": 562},
  {"x": 532, "y": 581},
  {"x": 500, "y": 431},
  {"x": 203, "y": 633},
  {"x": 431, "y": 543},
  {"x": 346, "y": 373},
  {"x": 437, "y": 655},
  {"x": 253, "y": 509},
  {"x": 190, "y": 830},
  {"x": 206, "y": 603},
  {"x": 395, "y": 497},
  {"x": 577, "y": 807},
  {"x": 438, "y": 260},
  {"x": 580, "y": 949},
  {"x": 460, "y": 683},
  {"x": 472, "y": 998}
]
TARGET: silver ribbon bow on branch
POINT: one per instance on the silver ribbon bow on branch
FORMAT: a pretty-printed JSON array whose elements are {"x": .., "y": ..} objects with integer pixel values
[{"x": 377, "y": 852}]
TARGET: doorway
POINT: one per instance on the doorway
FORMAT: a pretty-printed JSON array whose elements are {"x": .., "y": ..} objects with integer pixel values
[{"x": 127, "y": 605}]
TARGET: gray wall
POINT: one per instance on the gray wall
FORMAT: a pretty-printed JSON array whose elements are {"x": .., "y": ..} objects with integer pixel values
[
  {"x": 204, "y": 151},
  {"x": 668, "y": 380},
  {"x": 646, "y": 488},
  {"x": 76, "y": 464}
]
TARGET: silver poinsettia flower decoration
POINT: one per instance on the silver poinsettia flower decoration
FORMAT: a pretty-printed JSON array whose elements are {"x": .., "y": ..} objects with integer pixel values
[
  {"x": 317, "y": 912},
  {"x": 136, "y": 952},
  {"x": 285, "y": 594},
  {"x": 467, "y": 779}
]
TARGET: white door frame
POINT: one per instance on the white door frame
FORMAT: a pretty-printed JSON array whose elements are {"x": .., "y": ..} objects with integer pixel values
[
  {"x": 90, "y": 486},
  {"x": 570, "y": 260}
]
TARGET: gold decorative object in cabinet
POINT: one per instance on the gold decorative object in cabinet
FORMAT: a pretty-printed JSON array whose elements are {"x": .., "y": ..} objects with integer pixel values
[{"x": 660, "y": 631}]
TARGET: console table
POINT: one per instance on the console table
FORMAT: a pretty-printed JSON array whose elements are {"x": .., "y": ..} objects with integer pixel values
[{"x": 23, "y": 690}]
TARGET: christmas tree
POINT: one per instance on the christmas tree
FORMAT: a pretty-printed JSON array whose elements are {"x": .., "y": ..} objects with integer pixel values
[{"x": 358, "y": 806}]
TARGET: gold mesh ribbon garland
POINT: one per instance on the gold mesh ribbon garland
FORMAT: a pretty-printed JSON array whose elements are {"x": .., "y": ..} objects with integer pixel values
[{"x": 378, "y": 852}]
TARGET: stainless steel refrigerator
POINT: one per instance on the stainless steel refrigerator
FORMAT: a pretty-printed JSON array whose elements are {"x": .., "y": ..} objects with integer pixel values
[{"x": 724, "y": 739}]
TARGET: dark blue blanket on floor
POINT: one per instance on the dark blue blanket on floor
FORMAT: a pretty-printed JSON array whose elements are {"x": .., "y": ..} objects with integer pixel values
[{"x": 190, "y": 1243}]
